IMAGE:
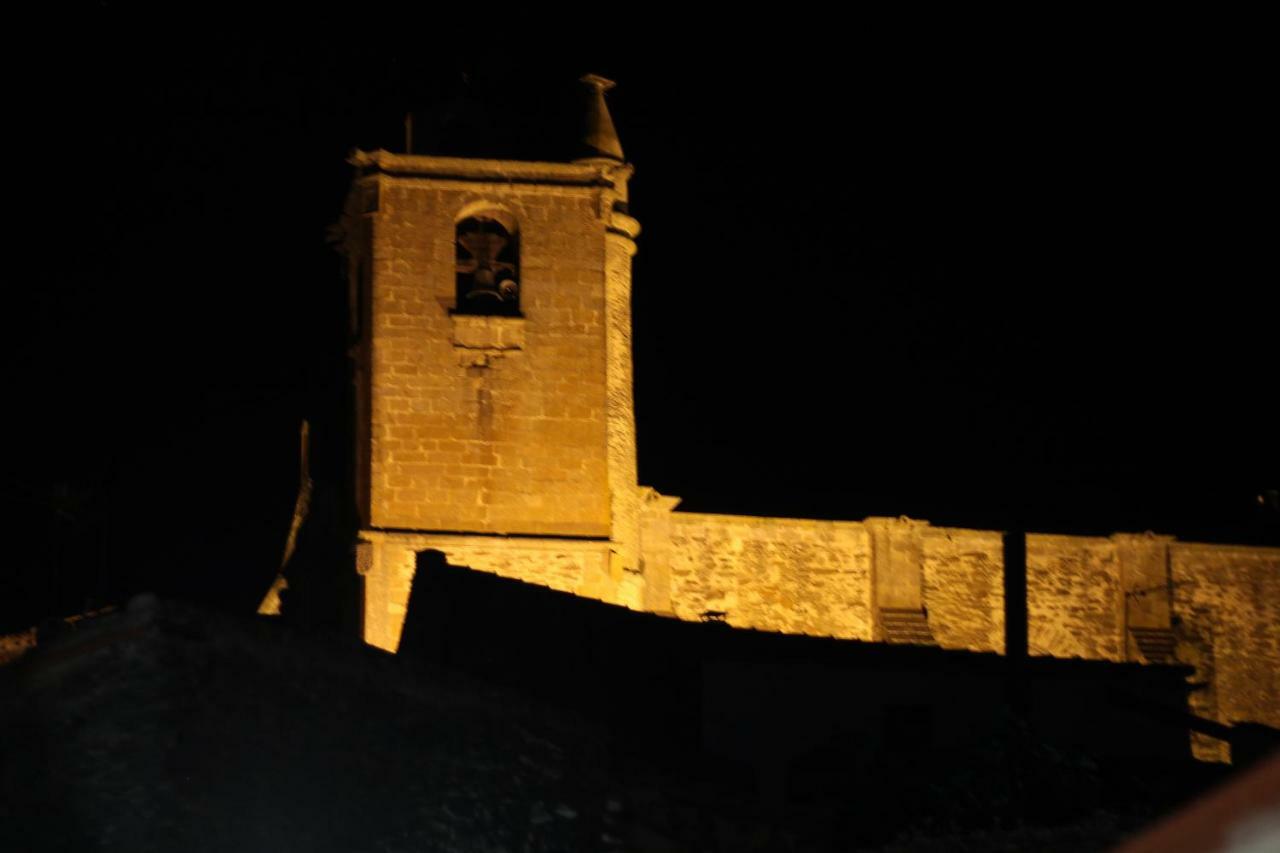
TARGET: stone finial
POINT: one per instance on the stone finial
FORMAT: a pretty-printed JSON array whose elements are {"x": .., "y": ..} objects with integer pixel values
[{"x": 600, "y": 138}]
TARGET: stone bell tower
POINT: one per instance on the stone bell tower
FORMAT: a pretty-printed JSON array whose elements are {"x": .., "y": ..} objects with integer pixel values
[{"x": 491, "y": 321}]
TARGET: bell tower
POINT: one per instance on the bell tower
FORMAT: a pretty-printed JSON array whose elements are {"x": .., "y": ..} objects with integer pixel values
[{"x": 491, "y": 328}]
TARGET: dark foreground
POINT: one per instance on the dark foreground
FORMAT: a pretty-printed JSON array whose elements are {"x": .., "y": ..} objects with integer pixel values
[{"x": 163, "y": 727}]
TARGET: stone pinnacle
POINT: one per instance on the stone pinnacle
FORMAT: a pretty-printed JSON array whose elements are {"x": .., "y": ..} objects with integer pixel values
[{"x": 600, "y": 138}]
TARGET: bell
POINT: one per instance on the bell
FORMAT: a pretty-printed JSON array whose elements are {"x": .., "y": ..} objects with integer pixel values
[{"x": 483, "y": 284}]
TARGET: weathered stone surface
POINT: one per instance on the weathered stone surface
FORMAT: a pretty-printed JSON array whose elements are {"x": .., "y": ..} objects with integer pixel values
[
  {"x": 1073, "y": 598},
  {"x": 1221, "y": 603},
  {"x": 964, "y": 588},
  {"x": 780, "y": 574},
  {"x": 816, "y": 577},
  {"x": 1226, "y": 601}
]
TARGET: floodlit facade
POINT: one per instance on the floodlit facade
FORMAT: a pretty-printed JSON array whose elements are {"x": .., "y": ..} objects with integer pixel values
[{"x": 490, "y": 305}]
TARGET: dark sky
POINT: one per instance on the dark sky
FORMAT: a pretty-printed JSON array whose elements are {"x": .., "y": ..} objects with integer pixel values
[{"x": 983, "y": 272}]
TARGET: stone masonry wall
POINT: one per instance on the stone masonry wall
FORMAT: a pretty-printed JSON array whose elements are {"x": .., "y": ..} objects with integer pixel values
[
  {"x": 964, "y": 588},
  {"x": 1226, "y": 601},
  {"x": 1073, "y": 598},
  {"x": 487, "y": 424},
  {"x": 1224, "y": 613},
  {"x": 777, "y": 574},
  {"x": 815, "y": 577}
]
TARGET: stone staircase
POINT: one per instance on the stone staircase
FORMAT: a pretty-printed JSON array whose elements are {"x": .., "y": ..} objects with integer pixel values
[
  {"x": 905, "y": 626},
  {"x": 1155, "y": 644}
]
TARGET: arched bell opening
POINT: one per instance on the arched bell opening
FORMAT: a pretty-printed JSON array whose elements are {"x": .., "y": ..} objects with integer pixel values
[{"x": 487, "y": 245}]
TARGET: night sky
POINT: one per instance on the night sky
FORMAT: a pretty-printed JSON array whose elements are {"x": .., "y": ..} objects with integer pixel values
[{"x": 986, "y": 273}]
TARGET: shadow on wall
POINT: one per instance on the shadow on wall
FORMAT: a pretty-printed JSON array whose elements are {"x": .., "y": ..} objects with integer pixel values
[
  {"x": 323, "y": 593},
  {"x": 814, "y": 718}
]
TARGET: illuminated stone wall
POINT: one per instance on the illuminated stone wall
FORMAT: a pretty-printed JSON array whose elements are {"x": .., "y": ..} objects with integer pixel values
[
  {"x": 964, "y": 588},
  {"x": 1227, "y": 601},
  {"x": 817, "y": 577},
  {"x": 1224, "y": 613},
  {"x": 777, "y": 574},
  {"x": 1219, "y": 603},
  {"x": 1073, "y": 598},
  {"x": 1226, "y": 607}
]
